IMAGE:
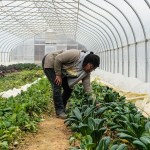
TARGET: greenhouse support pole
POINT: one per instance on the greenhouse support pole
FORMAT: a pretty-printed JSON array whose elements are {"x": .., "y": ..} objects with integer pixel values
[
  {"x": 146, "y": 62},
  {"x": 144, "y": 34}
]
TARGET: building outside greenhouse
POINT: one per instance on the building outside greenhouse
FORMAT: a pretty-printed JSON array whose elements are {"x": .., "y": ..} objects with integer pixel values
[{"x": 117, "y": 31}]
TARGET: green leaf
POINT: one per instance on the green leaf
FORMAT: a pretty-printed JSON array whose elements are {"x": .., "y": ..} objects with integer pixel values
[
  {"x": 77, "y": 113},
  {"x": 146, "y": 140},
  {"x": 4, "y": 145},
  {"x": 122, "y": 147},
  {"x": 125, "y": 136},
  {"x": 139, "y": 143},
  {"x": 83, "y": 129},
  {"x": 100, "y": 111},
  {"x": 119, "y": 147},
  {"x": 147, "y": 127},
  {"x": 103, "y": 144},
  {"x": 13, "y": 117},
  {"x": 114, "y": 147}
]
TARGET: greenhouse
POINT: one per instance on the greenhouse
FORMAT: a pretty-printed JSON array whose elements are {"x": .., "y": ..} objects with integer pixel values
[{"x": 96, "y": 53}]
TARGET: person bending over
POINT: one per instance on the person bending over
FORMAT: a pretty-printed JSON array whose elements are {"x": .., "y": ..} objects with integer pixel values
[{"x": 64, "y": 69}]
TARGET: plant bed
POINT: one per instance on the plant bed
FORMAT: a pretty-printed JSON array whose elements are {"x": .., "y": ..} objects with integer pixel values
[
  {"x": 18, "y": 79},
  {"x": 22, "y": 113},
  {"x": 17, "y": 67},
  {"x": 106, "y": 122}
]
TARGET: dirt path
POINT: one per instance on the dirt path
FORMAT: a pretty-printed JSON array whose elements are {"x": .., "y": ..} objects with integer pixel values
[{"x": 52, "y": 135}]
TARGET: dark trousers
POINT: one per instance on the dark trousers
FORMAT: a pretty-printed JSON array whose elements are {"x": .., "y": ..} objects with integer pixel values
[{"x": 60, "y": 98}]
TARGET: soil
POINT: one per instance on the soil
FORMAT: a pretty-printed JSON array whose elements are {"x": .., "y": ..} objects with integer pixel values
[{"x": 52, "y": 135}]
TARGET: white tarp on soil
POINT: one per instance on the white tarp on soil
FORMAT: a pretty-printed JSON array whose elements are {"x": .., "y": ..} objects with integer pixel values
[{"x": 14, "y": 92}]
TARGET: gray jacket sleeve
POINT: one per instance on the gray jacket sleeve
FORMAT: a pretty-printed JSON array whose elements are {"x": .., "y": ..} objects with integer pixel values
[{"x": 86, "y": 84}]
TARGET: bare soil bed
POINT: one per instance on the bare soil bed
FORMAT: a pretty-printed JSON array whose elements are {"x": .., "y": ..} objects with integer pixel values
[{"x": 52, "y": 135}]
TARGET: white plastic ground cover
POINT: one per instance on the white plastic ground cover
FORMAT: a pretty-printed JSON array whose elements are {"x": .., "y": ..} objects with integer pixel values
[
  {"x": 125, "y": 83},
  {"x": 135, "y": 90},
  {"x": 14, "y": 92}
]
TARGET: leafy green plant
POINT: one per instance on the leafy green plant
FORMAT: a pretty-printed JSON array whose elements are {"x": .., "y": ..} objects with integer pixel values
[
  {"x": 143, "y": 143},
  {"x": 103, "y": 144},
  {"x": 119, "y": 147},
  {"x": 125, "y": 124},
  {"x": 87, "y": 143},
  {"x": 22, "y": 113}
]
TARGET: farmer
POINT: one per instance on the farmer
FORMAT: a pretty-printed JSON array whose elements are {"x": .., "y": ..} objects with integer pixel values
[{"x": 64, "y": 69}]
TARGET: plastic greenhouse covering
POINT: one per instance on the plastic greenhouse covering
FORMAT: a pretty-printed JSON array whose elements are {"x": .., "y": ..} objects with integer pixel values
[
  {"x": 40, "y": 110},
  {"x": 117, "y": 30}
]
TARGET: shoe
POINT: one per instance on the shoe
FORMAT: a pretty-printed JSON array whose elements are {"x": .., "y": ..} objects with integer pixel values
[{"x": 61, "y": 115}]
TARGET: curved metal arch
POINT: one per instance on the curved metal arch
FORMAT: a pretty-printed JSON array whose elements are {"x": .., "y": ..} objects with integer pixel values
[
  {"x": 15, "y": 18},
  {"x": 12, "y": 47},
  {"x": 133, "y": 33},
  {"x": 5, "y": 43},
  {"x": 67, "y": 14},
  {"x": 108, "y": 36},
  {"x": 15, "y": 45},
  {"x": 26, "y": 38},
  {"x": 127, "y": 41},
  {"x": 100, "y": 30},
  {"x": 10, "y": 39},
  {"x": 4, "y": 39},
  {"x": 83, "y": 29},
  {"x": 7, "y": 47},
  {"x": 18, "y": 33},
  {"x": 142, "y": 26},
  {"x": 105, "y": 19},
  {"x": 85, "y": 33},
  {"x": 10, "y": 43},
  {"x": 104, "y": 42},
  {"x": 94, "y": 35},
  {"x": 32, "y": 33},
  {"x": 42, "y": 14},
  {"x": 147, "y": 3},
  {"x": 13, "y": 33},
  {"x": 98, "y": 20},
  {"x": 14, "y": 39},
  {"x": 58, "y": 18},
  {"x": 106, "y": 26},
  {"x": 102, "y": 23},
  {"x": 145, "y": 38},
  {"x": 73, "y": 11},
  {"x": 89, "y": 28},
  {"x": 65, "y": 11},
  {"x": 84, "y": 42},
  {"x": 73, "y": 6}
]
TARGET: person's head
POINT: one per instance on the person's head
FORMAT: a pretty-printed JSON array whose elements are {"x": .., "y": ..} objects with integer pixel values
[{"x": 91, "y": 62}]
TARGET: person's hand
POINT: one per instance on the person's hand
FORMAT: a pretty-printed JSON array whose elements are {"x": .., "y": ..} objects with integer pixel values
[{"x": 58, "y": 80}]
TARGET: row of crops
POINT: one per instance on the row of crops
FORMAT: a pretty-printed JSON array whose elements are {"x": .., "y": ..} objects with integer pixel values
[
  {"x": 22, "y": 113},
  {"x": 17, "y": 67},
  {"x": 20, "y": 75},
  {"x": 106, "y": 122}
]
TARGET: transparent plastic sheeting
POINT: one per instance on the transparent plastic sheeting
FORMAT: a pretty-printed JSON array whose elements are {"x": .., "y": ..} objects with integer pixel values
[{"x": 117, "y": 30}]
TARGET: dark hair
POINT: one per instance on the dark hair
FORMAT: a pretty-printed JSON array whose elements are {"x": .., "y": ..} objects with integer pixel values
[{"x": 93, "y": 59}]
